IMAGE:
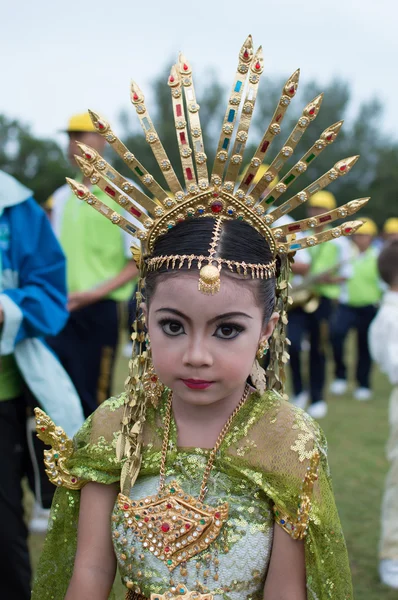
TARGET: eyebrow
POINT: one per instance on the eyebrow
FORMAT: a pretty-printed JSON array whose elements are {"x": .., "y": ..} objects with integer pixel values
[{"x": 228, "y": 315}]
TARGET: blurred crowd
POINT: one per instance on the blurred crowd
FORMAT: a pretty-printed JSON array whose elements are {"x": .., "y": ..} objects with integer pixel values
[{"x": 58, "y": 341}]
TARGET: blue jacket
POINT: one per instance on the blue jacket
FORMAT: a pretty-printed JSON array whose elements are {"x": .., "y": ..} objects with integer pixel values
[{"x": 33, "y": 298}]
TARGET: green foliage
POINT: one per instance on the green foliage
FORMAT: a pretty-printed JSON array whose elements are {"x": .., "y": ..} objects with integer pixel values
[{"x": 37, "y": 163}]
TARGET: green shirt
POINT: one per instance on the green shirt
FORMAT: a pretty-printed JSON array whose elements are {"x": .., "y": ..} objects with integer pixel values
[
  {"x": 362, "y": 287},
  {"x": 11, "y": 382},
  {"x": 323, "y": 258},
  {"x": 94, "y": 247}
]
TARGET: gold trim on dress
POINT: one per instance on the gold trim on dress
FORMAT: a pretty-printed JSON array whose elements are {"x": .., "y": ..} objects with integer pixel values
[{"x": 61, "y": 450}]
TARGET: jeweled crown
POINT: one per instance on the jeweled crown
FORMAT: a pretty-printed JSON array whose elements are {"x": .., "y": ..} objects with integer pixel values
[{"x": 222, "y": 195}]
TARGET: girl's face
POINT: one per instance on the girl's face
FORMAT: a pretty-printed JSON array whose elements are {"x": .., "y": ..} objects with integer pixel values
[{"x": 203, "y": 347}]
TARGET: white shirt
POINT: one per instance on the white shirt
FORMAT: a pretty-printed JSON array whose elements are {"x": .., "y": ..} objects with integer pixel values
[{"x": 383, "y": 336}]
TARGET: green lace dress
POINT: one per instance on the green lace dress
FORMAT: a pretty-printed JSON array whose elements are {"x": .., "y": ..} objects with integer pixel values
[{"x": 259, "y": 470}]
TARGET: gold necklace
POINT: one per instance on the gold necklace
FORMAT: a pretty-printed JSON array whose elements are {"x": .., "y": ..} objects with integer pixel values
[{"x": 172, "y": 525}]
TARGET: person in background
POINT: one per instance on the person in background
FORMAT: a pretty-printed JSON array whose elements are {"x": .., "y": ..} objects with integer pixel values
[
  {"x": 383, "y": 343},
  {"x": 390, "y": 229},
  {"x": 100, "y": 274},
  {"x": 311, "y": 312},
  {"x": 359, "y": 296},
  {"x": 32, "y": 305}
]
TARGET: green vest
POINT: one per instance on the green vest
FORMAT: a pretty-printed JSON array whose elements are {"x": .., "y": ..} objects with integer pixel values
[
  {"x": 363, "y": 287},
  {"x": 93, "y": 246},
  {"x": 324, "y": 257}
]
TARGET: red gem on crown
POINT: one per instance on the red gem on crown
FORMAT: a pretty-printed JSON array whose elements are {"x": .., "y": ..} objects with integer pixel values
[
  {"x": 187, "y": 526},
  {"x": 80, "y": 193},
  {"x": 165, "y": 527},
  {"x": 257, "y": 66},
  {"x": 311, "y": 111},
  {"x": 135, "y": 96},
  {"x": 348, "y": 229},
  {"x": 101, "y": 125},
  {"x": 292, "y": 90},
  {"x": 126, "y": 506},
  {"x": 217, "y": 206},
  {"x": 169, "y": 505},
  {"x": 329, "y": 137},
  {"x": 171, "y": 79},
  {"x": 73, "y": 480},
  {"x": 343, "y": 168},
  {"x": 246, "y": 54},
  {"x": 217, "y": 515},
  {"x": 167, "y": 549},
  {"x": 42, "y": 428},
  {"x": 88, "y": 156},
  {"x": 185, "y": 67}
]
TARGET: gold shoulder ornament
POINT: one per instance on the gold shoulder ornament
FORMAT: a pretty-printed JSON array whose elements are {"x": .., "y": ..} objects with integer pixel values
[{"x": 61, "y": 450}]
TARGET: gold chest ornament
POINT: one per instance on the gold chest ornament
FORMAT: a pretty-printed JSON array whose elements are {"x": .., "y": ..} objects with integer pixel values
[{"x": 172, "y": 525}]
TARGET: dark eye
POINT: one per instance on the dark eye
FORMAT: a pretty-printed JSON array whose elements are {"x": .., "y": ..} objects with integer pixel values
[
  {"x": 228, "y": 331},
  {"x": 172, "y": 328}
]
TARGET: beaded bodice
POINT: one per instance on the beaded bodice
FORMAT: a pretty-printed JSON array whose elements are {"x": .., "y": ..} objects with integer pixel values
[{"x": 235, "y": 564}]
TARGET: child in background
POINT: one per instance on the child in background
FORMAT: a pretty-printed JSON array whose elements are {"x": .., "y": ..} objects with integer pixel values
[{"x": 383, "y": 342}]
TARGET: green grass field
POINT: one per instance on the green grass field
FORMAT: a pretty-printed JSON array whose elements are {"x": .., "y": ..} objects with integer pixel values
[{"x": 357, "y": 433}]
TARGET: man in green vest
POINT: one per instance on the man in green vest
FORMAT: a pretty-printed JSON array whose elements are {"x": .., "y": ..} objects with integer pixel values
[
  {"x": 358, "y": 300},
  {"x": 100, "y": 274},
  {"x": 309, "y": 319}
]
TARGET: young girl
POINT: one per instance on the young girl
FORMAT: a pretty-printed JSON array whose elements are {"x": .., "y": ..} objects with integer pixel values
[{"x": 201, "y": 480}]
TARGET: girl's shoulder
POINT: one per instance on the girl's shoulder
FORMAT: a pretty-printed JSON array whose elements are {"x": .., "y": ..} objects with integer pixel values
[{"x": 278, "y": 435}]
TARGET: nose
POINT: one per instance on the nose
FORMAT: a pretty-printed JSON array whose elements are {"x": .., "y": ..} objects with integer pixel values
[{"x": 197, "y": 354}]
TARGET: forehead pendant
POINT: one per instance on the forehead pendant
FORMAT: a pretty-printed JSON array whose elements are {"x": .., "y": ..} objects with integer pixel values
[{"x": 209, "y": 280}]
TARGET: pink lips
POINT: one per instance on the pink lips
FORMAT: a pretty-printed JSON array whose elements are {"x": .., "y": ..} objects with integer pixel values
[{"x": 197, "y": 384}]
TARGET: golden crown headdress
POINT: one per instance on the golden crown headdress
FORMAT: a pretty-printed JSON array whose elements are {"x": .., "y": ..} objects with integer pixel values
[{"x": 222, "y": 195}]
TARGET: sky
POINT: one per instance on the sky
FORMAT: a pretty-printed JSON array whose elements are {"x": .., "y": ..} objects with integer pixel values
[{"x": 59, "y": 58}]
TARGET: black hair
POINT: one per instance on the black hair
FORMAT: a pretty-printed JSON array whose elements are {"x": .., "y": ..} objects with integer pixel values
[
  {"x": 238, "y": 242},
  {"x": 388, "y": 263}
]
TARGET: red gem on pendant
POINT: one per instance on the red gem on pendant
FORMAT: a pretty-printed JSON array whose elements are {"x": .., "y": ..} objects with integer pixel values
[
  {"x": 257, "y": 66},
  {"x": 73, "y": 480},
  {"x": 154, "y": 378},
  {"x": 217, "y": 206},
  {"x": 126, "y": 506},
  {"x": 217, "y": 515},
  {"x": 165, "y": 527},
  {"x": 146, "y": 519},
  {"x": 42, "y": 428},
  {"x": 185, "y": 67},
  {"x": 167, "y": 549},
  {"x": 187, "y": 526},
  {"x": 135, "y": 96},
  {"x": 169, "y": 505},
  {"x": 215, "y": 194},
  {"x": 343, "y": 168}
]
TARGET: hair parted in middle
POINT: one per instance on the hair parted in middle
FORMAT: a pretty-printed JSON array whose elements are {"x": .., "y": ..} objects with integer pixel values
[{"x": 238, "y": 241}]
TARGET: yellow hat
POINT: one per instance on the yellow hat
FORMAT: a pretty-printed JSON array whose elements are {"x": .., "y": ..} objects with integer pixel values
[
  {"x": 369, "y": 227},
  {"x": 261, "y": 171},
  {"x": 391, "y": 225},
  {"x": 81, "y": 122},
  {"x": 323, "y": 199}
]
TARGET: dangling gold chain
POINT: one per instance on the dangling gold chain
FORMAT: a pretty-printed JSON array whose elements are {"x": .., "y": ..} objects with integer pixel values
[{"x": 210, "y": 462}]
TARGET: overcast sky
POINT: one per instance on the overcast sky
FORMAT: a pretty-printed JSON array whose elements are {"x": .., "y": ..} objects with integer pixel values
[{"x": 58, "y": 58}]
